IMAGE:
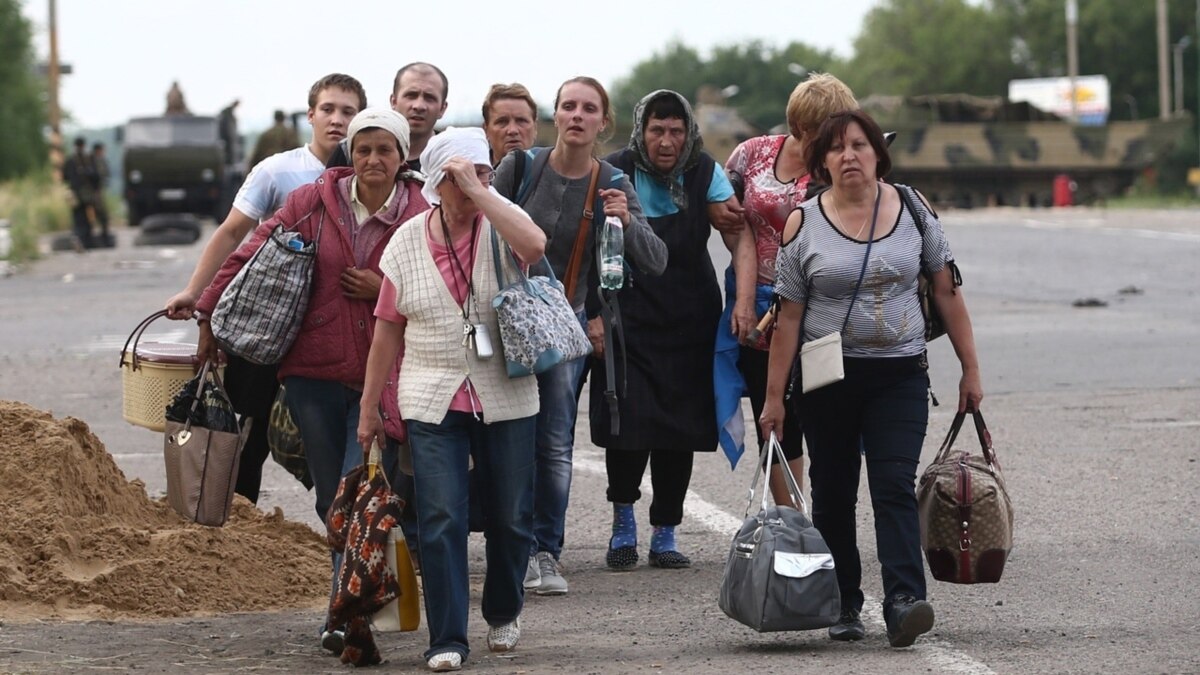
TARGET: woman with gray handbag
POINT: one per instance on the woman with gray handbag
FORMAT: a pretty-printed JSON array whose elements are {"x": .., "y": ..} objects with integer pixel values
[
  {"x": 454, "y": 388},
  {"x": 345, "y": 219},
  {"x": 848, "y": 276}
]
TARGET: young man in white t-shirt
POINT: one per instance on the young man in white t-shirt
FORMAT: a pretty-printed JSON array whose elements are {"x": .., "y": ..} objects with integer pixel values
[{"x": 332, "y": 102}]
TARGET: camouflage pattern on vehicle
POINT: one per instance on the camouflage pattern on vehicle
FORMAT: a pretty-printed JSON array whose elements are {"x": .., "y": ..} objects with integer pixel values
[
  {"x": 174, "y": 164},
  {"x": 966, "y": 151}
]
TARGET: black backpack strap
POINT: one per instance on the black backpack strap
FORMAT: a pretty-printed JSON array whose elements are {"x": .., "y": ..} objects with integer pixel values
[{"x": 530, "y": 175}]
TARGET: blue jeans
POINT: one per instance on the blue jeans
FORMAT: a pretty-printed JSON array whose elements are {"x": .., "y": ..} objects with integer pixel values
[
  {"x": 504, "y": 451},
  {"x": 558, "y": 391},
  {"x": 326, "y": 413},
  {"x": 879, "y": 411}
]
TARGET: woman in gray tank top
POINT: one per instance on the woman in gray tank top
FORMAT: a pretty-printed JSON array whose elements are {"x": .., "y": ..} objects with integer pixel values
[{"x": 879, "y": 410}]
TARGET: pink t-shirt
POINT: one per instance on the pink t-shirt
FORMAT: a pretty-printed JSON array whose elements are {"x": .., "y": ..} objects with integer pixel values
[
  {"x": 767, "y": 201},
  {"x": 465, "y": 399}
]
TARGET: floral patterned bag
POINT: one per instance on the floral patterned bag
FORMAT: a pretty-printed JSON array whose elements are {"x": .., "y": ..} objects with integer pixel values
[{"x": 538, "y": 328}]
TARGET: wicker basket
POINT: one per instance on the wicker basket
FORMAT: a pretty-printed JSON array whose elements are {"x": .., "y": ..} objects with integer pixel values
[{"x": 152, "y": 373}]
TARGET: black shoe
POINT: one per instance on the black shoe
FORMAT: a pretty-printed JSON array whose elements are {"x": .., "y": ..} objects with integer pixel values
[
  {"x": 907, "y": 618},
  {"x": 848, "y": 628}
]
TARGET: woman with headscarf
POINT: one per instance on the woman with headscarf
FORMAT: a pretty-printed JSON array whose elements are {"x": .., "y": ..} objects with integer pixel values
[
  {"x": 458, "y": 401},
  {"x": 557, "y": 197},
  {"x": 667, "y": 413},
  {"x": 350, "y": 214}
]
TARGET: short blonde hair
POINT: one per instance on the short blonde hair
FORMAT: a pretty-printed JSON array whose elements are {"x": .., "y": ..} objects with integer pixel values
[{"x": 815, "y": 99}]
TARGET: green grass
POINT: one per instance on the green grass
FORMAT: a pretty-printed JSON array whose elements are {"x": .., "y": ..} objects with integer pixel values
[{"x": 33, "y": 205}]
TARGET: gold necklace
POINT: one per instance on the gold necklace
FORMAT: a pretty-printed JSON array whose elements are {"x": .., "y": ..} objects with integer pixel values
[{"x": 858, "y": 234}]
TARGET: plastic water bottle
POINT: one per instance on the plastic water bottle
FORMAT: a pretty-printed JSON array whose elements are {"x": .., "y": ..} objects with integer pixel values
[{"x": 612, "y": 254}]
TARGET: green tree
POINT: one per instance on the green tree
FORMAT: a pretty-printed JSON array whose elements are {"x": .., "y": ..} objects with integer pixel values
[
  {"x": 913, "y": 47},
  {"x": 22, "y": 110},
  {"x": 764, "y": 76}
]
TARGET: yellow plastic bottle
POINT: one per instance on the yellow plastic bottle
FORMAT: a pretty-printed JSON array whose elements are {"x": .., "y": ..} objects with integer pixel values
[{"x": 403, "y": 613}]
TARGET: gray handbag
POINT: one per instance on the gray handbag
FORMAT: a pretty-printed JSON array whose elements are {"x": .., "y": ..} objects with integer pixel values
[
  {"x": 260, "y": 312},
  {"x": 780, "y": 573}
]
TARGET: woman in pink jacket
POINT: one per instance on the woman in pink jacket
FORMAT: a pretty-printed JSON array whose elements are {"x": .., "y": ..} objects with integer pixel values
[{"x": 353, "y": 213}]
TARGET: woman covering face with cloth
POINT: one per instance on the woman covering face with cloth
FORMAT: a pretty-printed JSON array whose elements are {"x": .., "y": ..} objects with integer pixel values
[
  {"x": 455, "y": 393},
  {"x": 850, "y": 263}
]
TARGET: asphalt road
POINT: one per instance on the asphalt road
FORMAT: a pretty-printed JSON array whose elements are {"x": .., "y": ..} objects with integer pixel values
[{"x": 1094, "y": 411}]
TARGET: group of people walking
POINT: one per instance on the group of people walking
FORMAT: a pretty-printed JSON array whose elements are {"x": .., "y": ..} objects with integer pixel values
[{"x": 403, "y": 220}]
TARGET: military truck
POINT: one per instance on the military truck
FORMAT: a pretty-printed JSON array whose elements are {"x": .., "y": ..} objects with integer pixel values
[
  {"x": 176, "y": 164},
  {"x": 967, "y": 151}
]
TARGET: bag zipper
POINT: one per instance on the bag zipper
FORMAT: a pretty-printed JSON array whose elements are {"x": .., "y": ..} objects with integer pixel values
[{"x": 964, "y": 513}]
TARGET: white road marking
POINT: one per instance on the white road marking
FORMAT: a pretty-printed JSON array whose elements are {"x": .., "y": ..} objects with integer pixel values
[
  {"x": 938, "y": 652},
  {"x": 1091, "y": 226}
]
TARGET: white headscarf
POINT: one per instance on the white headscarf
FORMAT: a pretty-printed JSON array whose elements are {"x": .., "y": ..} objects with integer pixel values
[
  {"x": 467, "y": 142},
  {"x": 380, "y": 118}
]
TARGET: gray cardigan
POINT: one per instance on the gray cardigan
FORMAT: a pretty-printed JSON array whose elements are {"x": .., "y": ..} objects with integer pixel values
[{"x": 556, "y": 205}]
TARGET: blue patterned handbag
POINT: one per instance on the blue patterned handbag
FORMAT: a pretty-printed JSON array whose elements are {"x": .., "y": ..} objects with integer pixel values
[{"x": 538, "y": 328}]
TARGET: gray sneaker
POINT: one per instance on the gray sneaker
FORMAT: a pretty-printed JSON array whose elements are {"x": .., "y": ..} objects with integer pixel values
[
  {"x": 533, "y": 574},
  {"x": 552, "y": 582}
]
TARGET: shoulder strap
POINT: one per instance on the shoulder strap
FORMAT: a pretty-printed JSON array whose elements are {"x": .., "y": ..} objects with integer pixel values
[
  {"x": 571, "y": 274},
  {"x": 918, "y": 217},
  {"x": 514, "y": 190},
  {"x": 533, "y": 175}
]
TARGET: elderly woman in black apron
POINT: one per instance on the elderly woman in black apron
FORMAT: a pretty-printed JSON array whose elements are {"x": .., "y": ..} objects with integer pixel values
[{"x": 666, "y": 407}]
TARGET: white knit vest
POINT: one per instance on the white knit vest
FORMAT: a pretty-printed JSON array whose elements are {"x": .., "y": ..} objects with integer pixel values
[{"x": 435, "y": 362}]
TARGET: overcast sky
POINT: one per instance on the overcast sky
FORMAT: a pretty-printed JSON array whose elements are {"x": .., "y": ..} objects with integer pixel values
[{"x": 267, "y": 53}]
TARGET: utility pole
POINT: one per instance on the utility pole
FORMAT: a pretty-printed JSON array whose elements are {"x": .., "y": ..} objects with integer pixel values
[
  {"x": 1178, "y": 50},
  {"x": 54, "y": 112},
  {"x": 1073, "y": 55},
  {"x": 1164, "y": 88}
]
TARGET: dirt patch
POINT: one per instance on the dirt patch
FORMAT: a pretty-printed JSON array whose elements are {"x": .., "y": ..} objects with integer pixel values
[{"x": 79, "y": 541}]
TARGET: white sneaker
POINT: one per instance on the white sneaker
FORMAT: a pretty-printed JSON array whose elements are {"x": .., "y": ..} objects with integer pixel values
[
  {"x": 504, "y": 638},
  {"x": 553, "y": 582},
  {"x": 445, "y": 662},
  {"x": 533, "y": 574}
]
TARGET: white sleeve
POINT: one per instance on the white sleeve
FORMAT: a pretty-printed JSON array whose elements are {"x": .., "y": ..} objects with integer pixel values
[{"x": 258, "y": 192}]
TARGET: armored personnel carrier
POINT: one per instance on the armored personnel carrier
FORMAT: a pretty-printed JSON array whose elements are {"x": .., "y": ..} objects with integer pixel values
[{"x": 967, "y": 151}]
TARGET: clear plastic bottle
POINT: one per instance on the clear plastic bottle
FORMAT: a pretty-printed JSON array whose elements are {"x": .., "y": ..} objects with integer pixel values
[{"x": 612, "y": 254}]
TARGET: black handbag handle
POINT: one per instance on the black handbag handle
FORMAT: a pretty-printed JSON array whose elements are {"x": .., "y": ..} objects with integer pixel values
[
  {"x": 136, "y": 337},
  {"x": 985, "y": 438},
  {"x": 207, "y": 370}
]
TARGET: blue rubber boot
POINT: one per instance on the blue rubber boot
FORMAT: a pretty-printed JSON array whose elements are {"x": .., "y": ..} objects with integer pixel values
[
  {"x": 662, "y": 550},
  {"x": 622, "y": 548}
]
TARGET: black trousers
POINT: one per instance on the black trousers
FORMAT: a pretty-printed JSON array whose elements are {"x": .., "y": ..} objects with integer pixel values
[
  {"x": 670, "y": 475},
  {"x": 753, "y": 365},
  {"x": 878, "y": 412},
  {"x": 252, "y": 390}
]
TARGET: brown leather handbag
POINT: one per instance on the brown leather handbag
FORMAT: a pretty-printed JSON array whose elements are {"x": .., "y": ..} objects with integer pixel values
[{"x": 966, "y": 514}]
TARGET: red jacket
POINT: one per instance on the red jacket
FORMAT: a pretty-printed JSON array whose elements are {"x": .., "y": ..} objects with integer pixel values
[{"x": 336, "y": 334}]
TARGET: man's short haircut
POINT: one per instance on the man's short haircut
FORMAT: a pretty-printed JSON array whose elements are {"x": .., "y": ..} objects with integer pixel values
[
  {"x": 340, "y": 81},
  {"x": 421, "y": 66},
  {"x": 280, "y": 116},
  {"x": 499, "y": 92},
  {"x": 665, "y": 107},
  {"x": 80, "y": 142},
  {"x": 814, "y": 100},
  {"x": 98, "y": 145}
]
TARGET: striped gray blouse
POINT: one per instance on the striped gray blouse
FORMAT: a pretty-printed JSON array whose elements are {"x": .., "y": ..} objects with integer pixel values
[{"x": 820, "y": 266}]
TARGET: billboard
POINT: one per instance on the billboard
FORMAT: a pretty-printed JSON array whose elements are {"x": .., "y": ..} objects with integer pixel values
[{"x": 1053, "y": 94}]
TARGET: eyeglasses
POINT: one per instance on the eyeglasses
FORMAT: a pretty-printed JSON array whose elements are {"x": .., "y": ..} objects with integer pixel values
[{"x": 485, "y": 174}]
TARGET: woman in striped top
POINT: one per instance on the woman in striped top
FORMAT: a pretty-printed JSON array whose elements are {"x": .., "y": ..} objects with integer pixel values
[{"x": 879, "y": 410}]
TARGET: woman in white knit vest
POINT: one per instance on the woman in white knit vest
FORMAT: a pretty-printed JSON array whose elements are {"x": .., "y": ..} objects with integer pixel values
[{"x": 436, "y": 304}]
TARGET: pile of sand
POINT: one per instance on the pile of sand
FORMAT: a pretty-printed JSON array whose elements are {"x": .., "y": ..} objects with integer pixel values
[{"x": 77, "y": 540}]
